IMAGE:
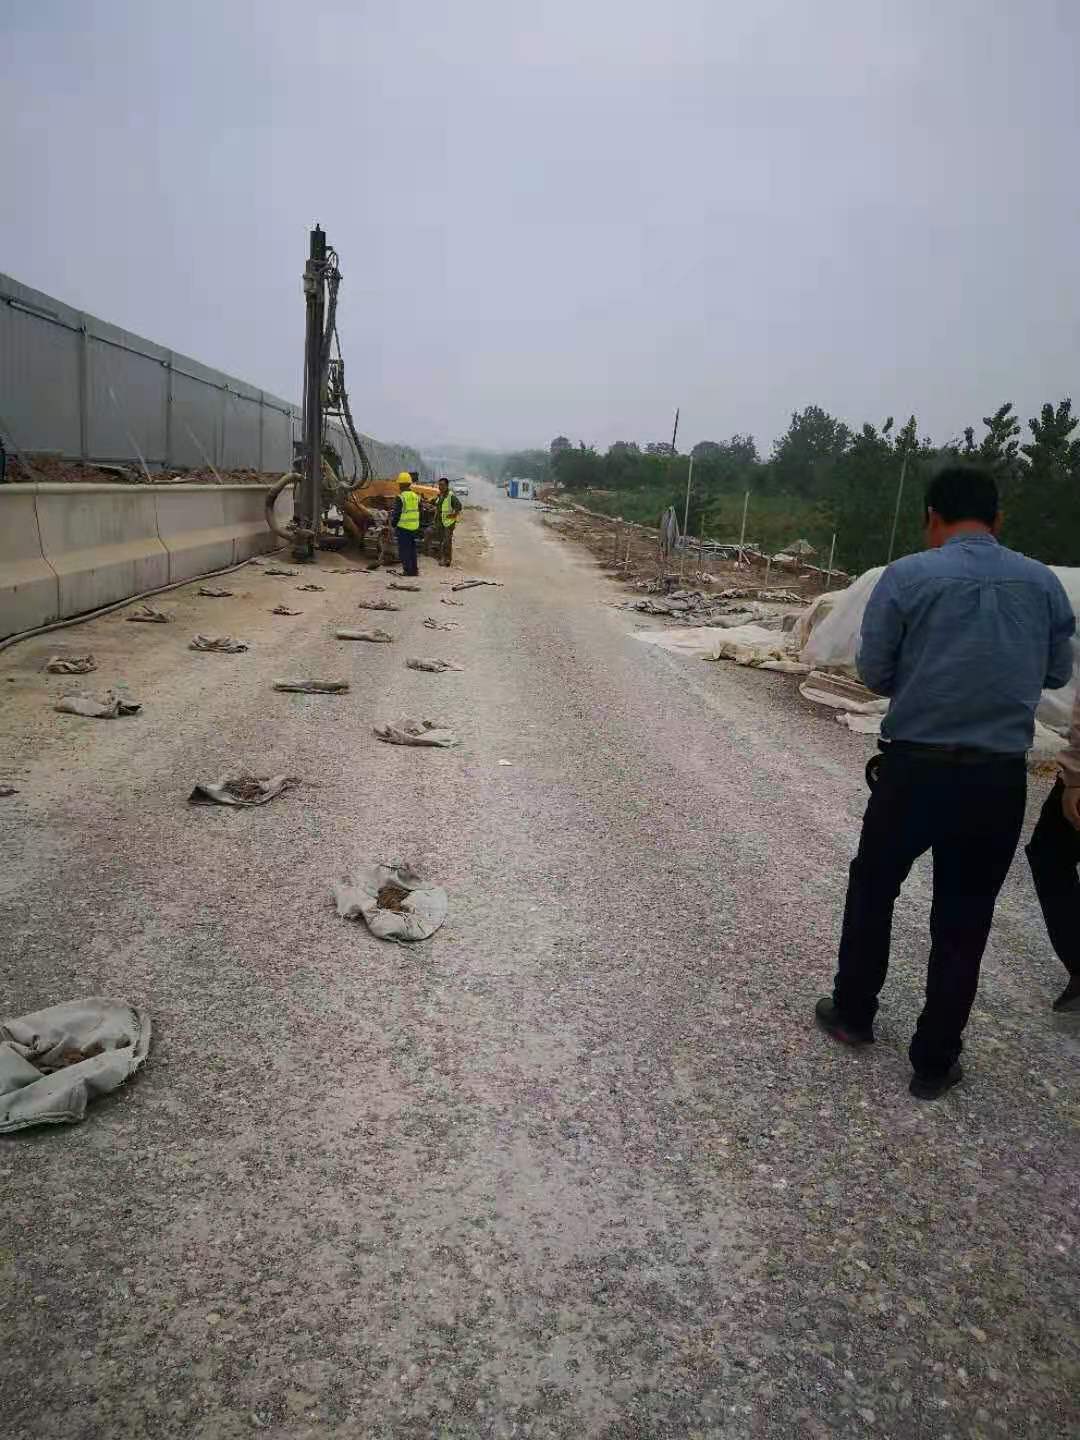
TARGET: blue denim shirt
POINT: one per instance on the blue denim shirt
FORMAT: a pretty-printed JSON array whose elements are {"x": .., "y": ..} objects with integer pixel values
[{"x": 963, "y": 639}]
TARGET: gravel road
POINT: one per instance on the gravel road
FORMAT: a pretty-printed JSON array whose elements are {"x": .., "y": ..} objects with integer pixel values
[{"x": 580, "y": 1166}]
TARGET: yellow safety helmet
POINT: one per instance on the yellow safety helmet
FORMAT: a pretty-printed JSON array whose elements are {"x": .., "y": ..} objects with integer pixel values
[{"x": 404, "y": 478}]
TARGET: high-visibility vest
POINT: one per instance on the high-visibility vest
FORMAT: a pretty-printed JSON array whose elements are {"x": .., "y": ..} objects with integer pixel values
[
  {"x": 410, "y": 511},
  {"x": 446, "y": 509}
]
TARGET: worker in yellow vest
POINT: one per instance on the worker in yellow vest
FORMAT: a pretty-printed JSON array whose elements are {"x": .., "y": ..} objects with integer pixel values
[
  {"x": 406, "y": 522},
  {"x": 447, "y": 510}
]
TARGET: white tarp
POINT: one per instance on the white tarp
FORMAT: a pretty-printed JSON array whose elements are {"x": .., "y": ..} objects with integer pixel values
[
  {"x": 829, "y": 636},
  {"x": 745, "y": 644}
]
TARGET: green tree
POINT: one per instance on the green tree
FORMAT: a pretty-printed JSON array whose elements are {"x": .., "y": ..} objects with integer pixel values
[
  {"x": 527, "y": 465},
  {"x": 804, "y": 456},
  {"x": 1045, "y": 500},
  {"x": 999, "y": 447},
  {"x": 580, "y": 469},
  {"x": 865, "y": 486}
]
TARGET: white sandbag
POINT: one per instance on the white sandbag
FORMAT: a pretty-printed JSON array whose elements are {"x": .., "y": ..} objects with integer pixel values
[
  {"x": 52, "y": 1062},
  {"x": 421, "y": 912}
]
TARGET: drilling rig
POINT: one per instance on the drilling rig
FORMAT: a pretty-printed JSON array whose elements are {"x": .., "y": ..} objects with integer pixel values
[{"x": 325, "y": 506}]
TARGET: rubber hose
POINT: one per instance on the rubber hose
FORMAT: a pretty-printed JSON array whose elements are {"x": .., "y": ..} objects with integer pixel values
[{"x": 298, "y": 532}]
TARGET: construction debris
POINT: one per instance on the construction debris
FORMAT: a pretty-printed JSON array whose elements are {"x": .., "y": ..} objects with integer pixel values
[
  {"x": 311, "y": 587},
  {"x": 276, "y": 570},
  {"x": 400, "y": 585},
  {"x": 393, "y": 902},
  {"x": 109, "y": 707},
  {"x": 150, "y": 616},
  {"x": 210, "y": 593},
  {"x": 471, "y": 584},
  {"x": 284, "y": 610},
  {"x": 6, "y": 790},
  {"x": 219, "y": 644},
  {"x": 376, "y": 637},
  {"x": 52, "y": 1062},
  {"x": 696, "y": 607},
  {"x": 313, "y": 687},
  {"x": 435, "y": 667},
  {"x": 447, "y": 601},
  {"x": 841, "y": 692},
  {"x": 781, "y": 597},
  {"x": 70, "y": 664},
  {"x": 408, "y": 731},
  {"x": 432, "y": 624},
  {"x": 377, "y": 605},
  {"x": 242, "y": 789}
]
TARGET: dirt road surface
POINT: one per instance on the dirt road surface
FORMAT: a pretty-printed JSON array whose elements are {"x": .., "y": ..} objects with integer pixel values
[{"x": 578, "y": 1167}]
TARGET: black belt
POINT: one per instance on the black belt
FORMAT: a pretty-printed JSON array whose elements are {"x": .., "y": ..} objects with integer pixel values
[
  {"x": 952, "y": 754},
  {"x": 940, "y": 755}
]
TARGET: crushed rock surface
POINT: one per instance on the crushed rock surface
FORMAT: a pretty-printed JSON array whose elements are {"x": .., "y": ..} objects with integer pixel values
[{"x": 581, "y": 1165}]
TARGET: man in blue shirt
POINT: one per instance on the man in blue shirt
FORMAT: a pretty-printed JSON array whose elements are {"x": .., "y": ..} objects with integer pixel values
[{"x": 962, "y": 638}]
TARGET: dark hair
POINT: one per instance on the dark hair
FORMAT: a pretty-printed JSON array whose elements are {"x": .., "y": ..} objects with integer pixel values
[
  {"x": 963, "y": 492},
  {"x": 443, "y": 480}
]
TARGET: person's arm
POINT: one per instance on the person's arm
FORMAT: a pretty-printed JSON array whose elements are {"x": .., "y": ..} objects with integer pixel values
[
  {"x": 395, "y": 514},
  {"x": 881, "y": 636},
  {"x": 1059, "y": 665},
  {"x": 455, "y": 503}
]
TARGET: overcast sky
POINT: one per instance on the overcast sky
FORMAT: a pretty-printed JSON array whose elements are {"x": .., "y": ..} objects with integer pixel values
[{"x": 572, "y": 215}]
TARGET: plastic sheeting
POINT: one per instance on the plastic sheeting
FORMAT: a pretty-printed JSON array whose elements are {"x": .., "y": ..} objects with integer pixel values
[
  {"x": 829, "y": 636},
  {"x": 751, "y": 645}
]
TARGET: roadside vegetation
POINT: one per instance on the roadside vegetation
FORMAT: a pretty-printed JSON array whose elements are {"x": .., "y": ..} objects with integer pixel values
[{"x": 824, "y": 477}]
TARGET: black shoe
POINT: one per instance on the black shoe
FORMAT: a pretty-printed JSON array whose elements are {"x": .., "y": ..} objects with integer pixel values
[
  {"x": 932, "y": 1087},
  {"x": 833, "y": 1023},
  {"x": 1069, "y": 999}
]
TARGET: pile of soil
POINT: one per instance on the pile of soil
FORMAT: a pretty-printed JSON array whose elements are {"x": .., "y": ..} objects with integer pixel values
[
  {"x": 391, "y": 897},
  {"x": 55, "y": 470}
]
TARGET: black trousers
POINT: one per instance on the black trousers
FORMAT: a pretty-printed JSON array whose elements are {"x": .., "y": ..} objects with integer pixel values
[
  {"x": 1053, "y": 854},
  {"x": 969, "y": 817},
  {"x": 406, "y": 545}
]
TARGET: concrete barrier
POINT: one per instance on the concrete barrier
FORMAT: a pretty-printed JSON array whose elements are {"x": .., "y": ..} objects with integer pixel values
[
  {"x": 67, "y": 549},
  {"x": 246, "y": 521},
  {"x": 102, "y": 541},
  {"x": 29, "y": 589},
  {"x": 191, "y": 523}
]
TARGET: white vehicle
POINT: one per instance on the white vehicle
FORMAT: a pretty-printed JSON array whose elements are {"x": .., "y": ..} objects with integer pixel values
[{"x": 459, "y": 487}]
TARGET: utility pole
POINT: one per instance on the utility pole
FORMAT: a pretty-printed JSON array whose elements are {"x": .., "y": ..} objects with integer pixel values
[
  {"x": 896, "y": 512},
  {"x": 742, "y": 532},
  {"x": 311, "y": 469},
  {"x": 686, "y": 508}
]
